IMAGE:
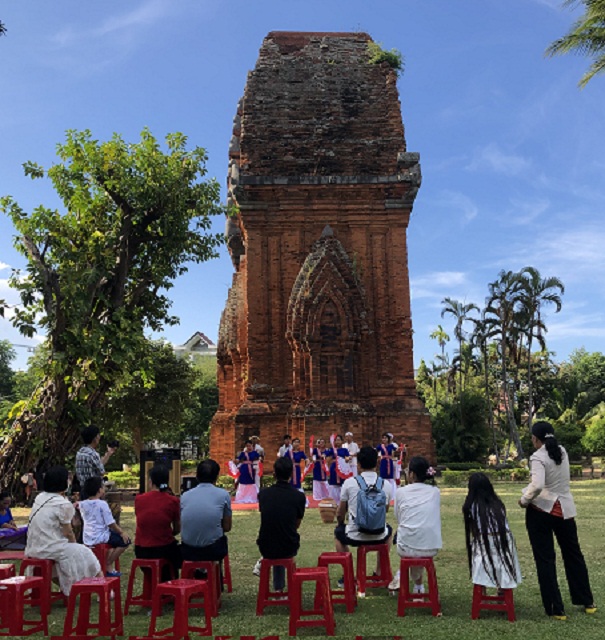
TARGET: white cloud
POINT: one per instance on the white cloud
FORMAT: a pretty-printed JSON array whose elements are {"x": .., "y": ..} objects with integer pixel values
[
  {"x": 454, "y": 200},
  {"x": 492, "y": 158},
  {"x": 524, "y": 212},
  {"x": 577, "y": 326},
  {"x": 145, "y": 15},
  {"x": 3, "y": 266},
  {"x": 438, "y": 284},
  {"x": 575, "y": 251}
]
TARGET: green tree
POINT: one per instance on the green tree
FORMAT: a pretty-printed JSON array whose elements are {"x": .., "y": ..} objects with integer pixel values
[
  {"x": 536, "y": 292},
  {"x": 463, "y": 440},
  {"x": 204, "y": 404},
  {"x": 586, "y": 37},
  {"x": 500, "y": 311},
  {"x": 7, "y": 375},
  {"x": 594, "y": 438},
  {"x": 461, "y": 312},
  {"x": 152, "y": 402},
  {"x": 98, "y": 272}
]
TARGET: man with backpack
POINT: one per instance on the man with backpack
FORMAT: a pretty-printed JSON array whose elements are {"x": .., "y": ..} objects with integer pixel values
[{"x": 366, "y": 497}]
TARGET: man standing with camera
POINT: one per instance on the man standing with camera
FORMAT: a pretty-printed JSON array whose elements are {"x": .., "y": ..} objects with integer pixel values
[{"x": 88, "y": 461}]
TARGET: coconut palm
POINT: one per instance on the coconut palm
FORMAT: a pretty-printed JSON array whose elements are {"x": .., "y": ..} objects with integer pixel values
[
  {"x": 586, "y": 36},
  {"x": 535, "y": 293}
]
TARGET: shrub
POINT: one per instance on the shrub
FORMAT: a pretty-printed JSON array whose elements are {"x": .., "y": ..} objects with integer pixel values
[
  {"x": 124, "y": 479},
  {"x": 461, "y": 466},
  {"x": 378, "y": 55},
  {"x": 460, "y": 428}
]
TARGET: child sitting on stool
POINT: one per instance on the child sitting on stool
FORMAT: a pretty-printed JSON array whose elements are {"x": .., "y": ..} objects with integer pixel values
[{"x": 99, "y": 524}]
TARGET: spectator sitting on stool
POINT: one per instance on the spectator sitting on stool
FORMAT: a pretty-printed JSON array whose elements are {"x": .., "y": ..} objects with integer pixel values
[
  {"x": 99, "y": 524},
  {"x": 282, "y": 508},
  {"x": 205, "y": 517},
  {"x": 349, "y": 535}
]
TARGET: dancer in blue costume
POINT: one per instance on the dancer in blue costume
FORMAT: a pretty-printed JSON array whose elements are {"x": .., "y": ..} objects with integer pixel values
[
  {"x": 387, "y": 452},
  {"x": 320, "y": 477},
  {"x": 247, "y": 491}
]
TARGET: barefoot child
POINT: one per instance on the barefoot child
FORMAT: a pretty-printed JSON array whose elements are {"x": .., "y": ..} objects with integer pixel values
[
  {"x": 492, "y": 555},
  {"x": 99, "y": 525}
]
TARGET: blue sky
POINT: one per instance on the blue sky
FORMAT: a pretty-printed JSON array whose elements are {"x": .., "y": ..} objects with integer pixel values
[{"x": 512, "y": 152}]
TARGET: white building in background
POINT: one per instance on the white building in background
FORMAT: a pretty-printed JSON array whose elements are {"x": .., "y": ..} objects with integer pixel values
[{"x": 198, "y": 346}]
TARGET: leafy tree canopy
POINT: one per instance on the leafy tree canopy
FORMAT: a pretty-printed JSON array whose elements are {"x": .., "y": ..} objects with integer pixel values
[
  {"x": 98, "y": 273},
  {"x": 586, "y": 37}
]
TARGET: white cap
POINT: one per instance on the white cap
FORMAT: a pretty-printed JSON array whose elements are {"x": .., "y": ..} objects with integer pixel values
[{"x": 348, "y": 433}]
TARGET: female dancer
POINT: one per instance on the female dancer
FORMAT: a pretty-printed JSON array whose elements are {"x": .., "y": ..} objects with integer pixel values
[
  {"x": 386, "y": 451},
  {"x": 320, "y": 477}
]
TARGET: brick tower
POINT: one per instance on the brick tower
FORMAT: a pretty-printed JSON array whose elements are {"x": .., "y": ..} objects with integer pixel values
[{"x": 316, "y": 335}]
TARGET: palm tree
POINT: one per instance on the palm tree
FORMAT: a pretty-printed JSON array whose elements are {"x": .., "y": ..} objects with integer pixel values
[
  {"x": 586, "y": 36},
  {"x": 501, "y": 306},
  {"x": 442, "y": 338},
  {"x": 461, "y": 312},
  {"x": 536, "y": 292},
  {"x": 483, "y": 331}
]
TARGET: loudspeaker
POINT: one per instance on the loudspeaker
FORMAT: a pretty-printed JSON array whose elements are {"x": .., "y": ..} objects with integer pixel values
[{"x": 170, "y": 458}]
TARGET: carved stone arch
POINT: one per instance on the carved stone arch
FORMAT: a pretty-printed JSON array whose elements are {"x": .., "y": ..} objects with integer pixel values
[{"x": 327, "y": 316}]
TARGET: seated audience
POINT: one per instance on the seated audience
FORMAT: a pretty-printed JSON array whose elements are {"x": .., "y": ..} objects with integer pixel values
[
  {"x": 492, "y": 554},
  {"x": 205, "y": 516},
  {"x": 12, "y": 537},
  {"x": 51, "y": 537},
  {"x": 282, "y": 508},
  {"x": 350, "y": 535},
  {"x": 100, "y": 526},
  {"x": 417, "y": 509},
  {"x": 158, "y": 516}
]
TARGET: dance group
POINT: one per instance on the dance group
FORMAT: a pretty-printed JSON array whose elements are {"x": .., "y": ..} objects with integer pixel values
[
  {"x": 330, "y": 466},
  {"x": 203, "y": 516}
]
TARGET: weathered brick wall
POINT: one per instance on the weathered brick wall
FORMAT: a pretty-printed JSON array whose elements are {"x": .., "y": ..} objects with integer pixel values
[{"x": 316, "y": 336}]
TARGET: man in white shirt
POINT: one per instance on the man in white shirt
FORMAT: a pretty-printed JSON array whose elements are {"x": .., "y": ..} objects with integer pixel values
[
  {"x": 350, "y": 535},
  {"x": 353, "y": 449}
]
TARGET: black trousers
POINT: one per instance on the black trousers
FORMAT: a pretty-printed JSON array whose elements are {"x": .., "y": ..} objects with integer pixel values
[{"x": 540, "y": 527}]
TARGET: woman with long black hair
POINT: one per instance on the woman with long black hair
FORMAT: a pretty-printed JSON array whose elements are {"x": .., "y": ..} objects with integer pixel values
[
  {"x": 551, "y": 510},
  {"x": 492, "y": 555}
]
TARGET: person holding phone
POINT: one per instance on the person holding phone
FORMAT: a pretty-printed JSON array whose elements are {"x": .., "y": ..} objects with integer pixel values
[{"x": 89, "y": 463}]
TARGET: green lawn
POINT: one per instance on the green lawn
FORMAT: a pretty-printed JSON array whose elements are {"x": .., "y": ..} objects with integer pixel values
[{"x": 376, "y": 615}]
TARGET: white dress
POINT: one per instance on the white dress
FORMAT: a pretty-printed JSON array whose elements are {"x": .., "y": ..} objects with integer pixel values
[
  {"x": 502, "y": 579},
  {"x": 45, "y": 540}
]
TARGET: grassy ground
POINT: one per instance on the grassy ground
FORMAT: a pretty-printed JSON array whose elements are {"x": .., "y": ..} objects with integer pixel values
[{"x": 376, "y": 615}]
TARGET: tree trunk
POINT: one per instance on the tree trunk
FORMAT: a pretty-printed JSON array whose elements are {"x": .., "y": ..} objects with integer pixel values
[{"x": 42, "y": 439}]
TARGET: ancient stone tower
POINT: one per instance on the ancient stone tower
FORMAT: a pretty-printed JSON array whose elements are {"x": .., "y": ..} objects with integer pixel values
[{"x": 316, "y": 335}]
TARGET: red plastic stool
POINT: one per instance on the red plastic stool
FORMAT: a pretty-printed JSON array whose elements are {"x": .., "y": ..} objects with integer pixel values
[
  {"x": 108, "y": 624},
  {"x": 347, "y": 595},
  {"x": 152, "y": 574},
  {"x": 384, "y": 576},
  {"x": 227, "y": 574},
  {"x": 101, "y": 551},
  {"x": 500, "y": 602},
  {"x": 429, "y": 599},
  {"x": 322, "y": 604},
  {"x": 267, "y": 597},
  {"x": 7, "y": 570},
  {"x": 213, "y": 575},
  {"x": 43, "y": 569},
  {"x": 12, "y": 599},
  {"x": 183, "y": 591}
]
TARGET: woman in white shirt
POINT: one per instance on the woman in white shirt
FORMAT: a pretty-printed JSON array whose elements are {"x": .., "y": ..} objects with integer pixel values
[
  {"x": 551, "y": 510},
  {"x": 418, "y": 512},
  {"x": 50, "y": 536}
]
